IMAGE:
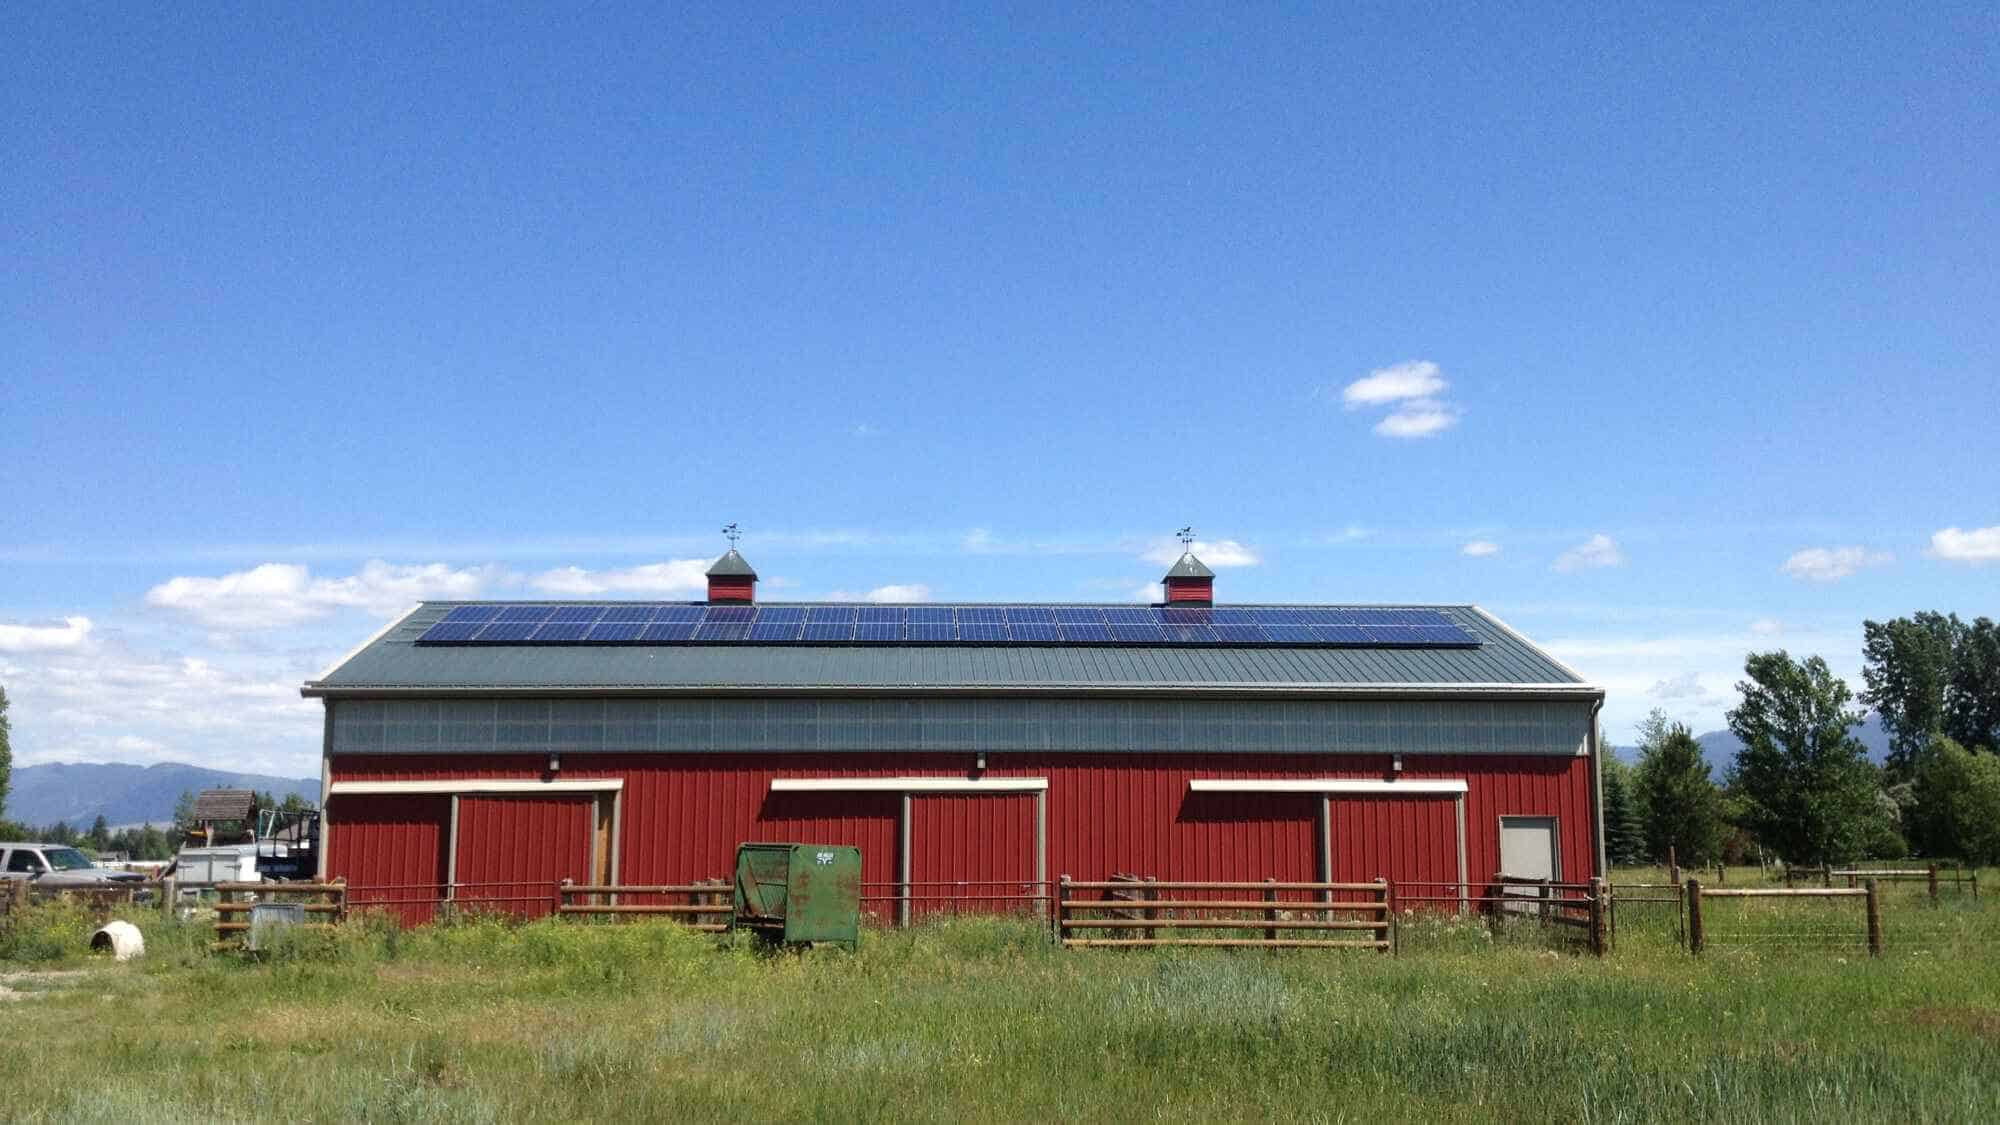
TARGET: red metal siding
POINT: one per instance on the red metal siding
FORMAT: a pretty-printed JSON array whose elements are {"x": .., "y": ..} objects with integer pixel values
[
  {"x": 513, "y": 850},
  {"x": 391, "y": 851},
  {"x": 731, "y": 589},
  {"x": 1190, "y": 589},
  {"x": 682, "y": 816},
  {"x": 972, "y": 852}
]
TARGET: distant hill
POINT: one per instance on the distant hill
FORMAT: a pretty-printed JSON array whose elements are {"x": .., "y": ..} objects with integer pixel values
[
  {"x": 1720, "y": 746},
  {"x": 127, "y": 794}
]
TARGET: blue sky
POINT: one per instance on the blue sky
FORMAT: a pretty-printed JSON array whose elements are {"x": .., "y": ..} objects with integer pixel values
[{"x": 1688, "y": 313}]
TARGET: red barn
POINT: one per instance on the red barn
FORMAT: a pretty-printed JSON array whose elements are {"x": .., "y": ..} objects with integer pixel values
[{"x": 481, "y": 752}]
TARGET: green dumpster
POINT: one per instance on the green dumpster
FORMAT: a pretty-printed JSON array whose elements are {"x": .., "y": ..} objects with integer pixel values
[{"x": 798, "y": 893}]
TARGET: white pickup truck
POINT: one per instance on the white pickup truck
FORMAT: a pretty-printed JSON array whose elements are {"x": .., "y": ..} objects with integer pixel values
[{"x": 55, "y": 865}]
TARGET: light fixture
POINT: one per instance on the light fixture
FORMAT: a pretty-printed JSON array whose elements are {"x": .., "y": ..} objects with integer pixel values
[
  {"x": 555, "y": 761},
  {"x": 1396, "y": 765},
  {"x": 979, "y": 763}
]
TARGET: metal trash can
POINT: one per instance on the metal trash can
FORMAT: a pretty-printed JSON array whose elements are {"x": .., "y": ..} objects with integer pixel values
[
  {"x": 268, "y": 919},
  {"x": 799, "y": 893}
]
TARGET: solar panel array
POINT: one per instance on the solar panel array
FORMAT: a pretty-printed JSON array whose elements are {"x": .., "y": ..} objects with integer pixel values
[{"x": 665, "y": 623}]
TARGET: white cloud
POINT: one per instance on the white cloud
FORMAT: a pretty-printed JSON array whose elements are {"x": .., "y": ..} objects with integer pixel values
[
  {"x": 1421, "y": 418},
  {"x": 1767, "y": 627},
  {"x": 1687, "y": 685},
  {"x": 1831, "y": 564},
  {"x": 1150, "y": 593},
  {"x": 904, "y": 592},
  {"x": 275, "y": 595},
  {"x": 1221, "y": 552},
  {"x": 675, "y": 576},
  {"x": 1416, "y": 378},
  {"x": 72, "y": 633},
  {"x": 1597, "y": 551},
  {"x": 1979, "y": 545},
  {"x": 1480, "y": 549}
]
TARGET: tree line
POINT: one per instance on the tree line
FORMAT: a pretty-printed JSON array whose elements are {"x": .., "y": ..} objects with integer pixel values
[{"x": 1801, "y": 787}]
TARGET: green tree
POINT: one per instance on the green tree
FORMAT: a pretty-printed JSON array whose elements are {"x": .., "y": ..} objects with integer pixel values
[
  {"x": 184, "y": 815},
  {"x": 1972, "y": 704},
  {"x": 100, "y": 834},
  {"x": 1957, "y": 809},
  {"x": 1908, "y": 671},
  {"x": 6, "y": 756},
  {"x": 1678, "y": 803},
  {"x": 1624, "y": 835},
  {"x": 1808, "y": 789}
]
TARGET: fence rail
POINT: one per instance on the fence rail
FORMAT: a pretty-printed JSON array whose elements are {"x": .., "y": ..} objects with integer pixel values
[
  {"x": 706, "y": 907},
  {"x": 232, "y": 922},
  {"x": 1699, "y": 937},
  {"x": 1146, "y": 907}
]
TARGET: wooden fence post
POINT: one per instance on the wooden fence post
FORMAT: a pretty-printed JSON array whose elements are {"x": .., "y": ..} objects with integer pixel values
[
  {"x": 1694, "y": 915},
  {"x": 1720, "y": 875},
  {"x": 1673, "y": 867},
  {"x": 1874, "y": 921},
  {"x": 1826, "y": 874},
  {"x": 555, "y": 910},
  {"x": 1599, "y": 937},
  {"x": 1152, "y": 893},
  {"x": 1788, "y": 876},
  {"x": 1387, "y": 897},
  {"x": 1933, "y": 878},
  {"x": 1061, "y": 912},
  {"x": 1270, "y": 912}
]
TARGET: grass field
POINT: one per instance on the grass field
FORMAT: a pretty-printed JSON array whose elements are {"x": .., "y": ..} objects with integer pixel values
[{"x": 981, "y": 1019}]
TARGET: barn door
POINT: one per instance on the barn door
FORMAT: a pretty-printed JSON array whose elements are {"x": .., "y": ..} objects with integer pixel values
[
  {"x": 972, "y": 853},
  {"x": 391, "y": 851},
  {"x": 513, "y": 850}
]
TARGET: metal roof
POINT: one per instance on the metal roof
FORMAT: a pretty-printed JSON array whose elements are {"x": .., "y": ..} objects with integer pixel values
[
  {"x": 1504, "y": 663},
  {"x": 1190, "y": 567},
  {"x": 731, "y": 565}
]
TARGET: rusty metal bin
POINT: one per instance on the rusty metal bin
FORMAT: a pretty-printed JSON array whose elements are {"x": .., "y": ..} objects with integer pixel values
[{"x": 799, "y": 893}]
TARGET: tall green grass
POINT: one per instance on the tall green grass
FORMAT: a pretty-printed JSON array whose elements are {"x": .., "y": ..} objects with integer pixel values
[{"x": 983, "y": 1019}]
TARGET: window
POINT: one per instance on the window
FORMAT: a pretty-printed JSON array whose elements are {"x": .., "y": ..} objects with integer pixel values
[
  {"x": 69, "y": 859},
  {"x": 24, "y": 860}
]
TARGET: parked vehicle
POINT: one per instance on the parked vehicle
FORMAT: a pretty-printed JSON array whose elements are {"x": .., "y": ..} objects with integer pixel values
[{"x": 56, "y": 866}]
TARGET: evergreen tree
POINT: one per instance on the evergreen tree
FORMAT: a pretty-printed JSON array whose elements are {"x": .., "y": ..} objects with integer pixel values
[
  {"x": 100, "y": 834},
  {"x": 1624, "y": 835},
  {"x": 1678, "y": 804},
  {"x": 184, "y": 815},
  {"x": 1808, "y": 789}
]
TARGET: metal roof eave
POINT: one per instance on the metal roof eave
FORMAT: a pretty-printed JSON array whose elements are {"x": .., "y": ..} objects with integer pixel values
[{"x": 318, "y": 690}]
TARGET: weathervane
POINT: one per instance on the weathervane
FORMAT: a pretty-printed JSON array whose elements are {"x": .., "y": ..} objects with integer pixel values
[
  {"x": 730, "y": 532},
  {"x": 1186, "y": 536}
]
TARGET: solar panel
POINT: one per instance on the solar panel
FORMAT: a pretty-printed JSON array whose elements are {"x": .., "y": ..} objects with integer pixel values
[
  {"x": 614, "y": 632},
  {"x": 682, "y": 623}
]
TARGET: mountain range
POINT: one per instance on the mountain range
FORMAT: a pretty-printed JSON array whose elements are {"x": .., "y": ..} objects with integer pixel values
[
  {"x": 1719, "y": 747},
  {"x": 123, "y": 794}
]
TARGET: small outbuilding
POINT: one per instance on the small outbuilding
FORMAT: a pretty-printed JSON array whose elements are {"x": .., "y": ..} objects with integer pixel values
[{"x": 483, "y": 751}]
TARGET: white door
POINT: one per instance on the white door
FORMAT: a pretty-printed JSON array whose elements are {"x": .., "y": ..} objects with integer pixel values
[{"x": 1528, "y": 851}]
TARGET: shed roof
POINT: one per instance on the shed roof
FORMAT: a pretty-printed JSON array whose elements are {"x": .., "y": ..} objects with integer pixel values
[
  {"x": 224, "y": 804},
  {"x": 731, "y": 565},
  {"x": 1190, "y": 567},
  {"x": 392, "y": 663}
]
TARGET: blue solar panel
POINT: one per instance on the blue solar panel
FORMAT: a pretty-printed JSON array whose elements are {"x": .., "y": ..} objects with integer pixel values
[
  {"x": 679, "y": 623},
  {"x": 614, "y": 632},
  {"x": 1241, "y": 634},
  {"x": 454, "y": 630},
  {"x": 557, "y": 631}
]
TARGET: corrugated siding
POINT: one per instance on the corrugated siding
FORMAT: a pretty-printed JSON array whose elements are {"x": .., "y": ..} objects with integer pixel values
[
  {"x": 984, "y": 844},
  {"x": 512, "y": 850},
  {"x": 391, "y": 851},
  {"x": 995, "y": 725},
  {"x": 682, "y": 817},
  {"x": 396, "y": 661}
]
